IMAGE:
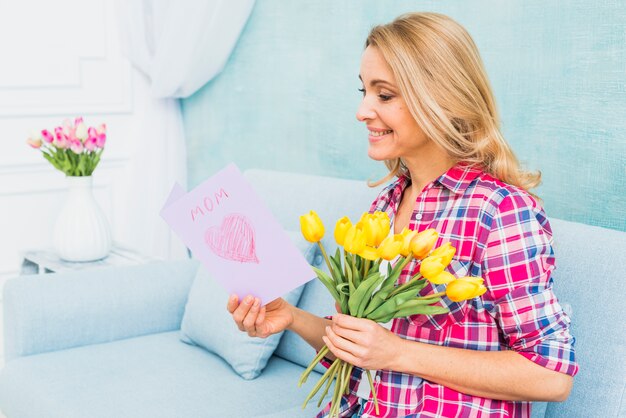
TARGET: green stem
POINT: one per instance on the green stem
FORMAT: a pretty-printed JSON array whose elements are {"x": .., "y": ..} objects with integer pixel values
[
  {"x": 433, "y": 295},
  {"x": 401, "y": 288},
  {"x": 330, "y": 268},
  {"x": 367, "y": 268},
  {"x": 316, "y": 360},
  {"x": 349, "y": 374},
  {"x": 369, "y": 379},
  {"x": 328, "y": 384},
  {"x": 319, "y": 384}
]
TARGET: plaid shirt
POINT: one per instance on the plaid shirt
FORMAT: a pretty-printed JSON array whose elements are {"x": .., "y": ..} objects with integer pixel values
[{"x": 501, "y": 234}]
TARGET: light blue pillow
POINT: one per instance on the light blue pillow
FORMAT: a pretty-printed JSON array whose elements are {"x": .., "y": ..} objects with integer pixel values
[{"x": 207, "y": 324}]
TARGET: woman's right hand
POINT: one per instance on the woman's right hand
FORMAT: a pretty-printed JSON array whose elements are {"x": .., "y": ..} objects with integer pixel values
[{"x": 259, "y": 321}]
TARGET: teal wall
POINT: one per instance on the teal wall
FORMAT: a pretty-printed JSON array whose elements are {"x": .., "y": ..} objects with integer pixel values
[{"x": 288, "y": 95}]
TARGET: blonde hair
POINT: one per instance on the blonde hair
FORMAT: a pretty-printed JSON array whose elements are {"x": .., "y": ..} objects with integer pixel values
[{"x": 443, "y": 82}]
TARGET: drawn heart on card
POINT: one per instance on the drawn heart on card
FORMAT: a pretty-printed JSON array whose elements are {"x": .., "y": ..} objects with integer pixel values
[{"x": 233, "y": 239}]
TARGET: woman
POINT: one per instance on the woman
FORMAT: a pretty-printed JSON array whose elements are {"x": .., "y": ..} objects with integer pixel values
[{"x": 432, "y": 118}]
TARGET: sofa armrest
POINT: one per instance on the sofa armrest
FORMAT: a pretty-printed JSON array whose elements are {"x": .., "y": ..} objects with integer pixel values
[{"x": 56, "y": 311}]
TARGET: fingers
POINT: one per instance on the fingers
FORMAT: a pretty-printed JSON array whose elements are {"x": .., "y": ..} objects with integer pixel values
[
  {"x": 356, "y": 337},
  {"x": 246, "y": 313},
  {"x": 342, "y": 343},
  {"x": 261, "y": 317},
  {"x": 350, "y": 322},
  {"x": 232, "y": 304},
  {"x": 340, "y": 353},
  {"x": 250, "y": 319}
]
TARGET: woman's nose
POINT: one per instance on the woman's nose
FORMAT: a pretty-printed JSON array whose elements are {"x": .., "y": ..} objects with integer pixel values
[{"x": 365, "y": 111}]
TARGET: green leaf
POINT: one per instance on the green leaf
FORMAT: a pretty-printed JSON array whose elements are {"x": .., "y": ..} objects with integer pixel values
[
  {"x": 349, "y": 278},
  {"x": 384, "y": 309},
  {"x": 341, "y": 289},
  {"x": 338, "y": 255},
  {"x": 417, "y": 283},
  {"x": 328, "y": 282},
  {"x": 356, "y": 277},
  {"x": 363, "y": 291},
  {"x": 337, "y": 271},
  {"x": 367, "y": 298},
  {"x": 421, "y": 310},
  {"x": 418, "y": 302}
]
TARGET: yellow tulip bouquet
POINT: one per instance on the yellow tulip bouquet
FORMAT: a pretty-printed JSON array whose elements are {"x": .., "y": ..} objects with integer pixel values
[{"x": 363, "y": 289}]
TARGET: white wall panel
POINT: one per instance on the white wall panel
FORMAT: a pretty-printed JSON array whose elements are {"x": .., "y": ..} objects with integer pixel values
[
  {"x": 60, "y": 60},
  {"x": 61, "y": 57}
]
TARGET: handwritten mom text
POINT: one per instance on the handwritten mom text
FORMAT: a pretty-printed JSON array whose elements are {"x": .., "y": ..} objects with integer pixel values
[{"x": 208, "y": 204}]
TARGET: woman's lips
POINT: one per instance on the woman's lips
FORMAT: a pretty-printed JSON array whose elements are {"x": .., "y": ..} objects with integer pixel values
[{"x": 376, "y": 135}]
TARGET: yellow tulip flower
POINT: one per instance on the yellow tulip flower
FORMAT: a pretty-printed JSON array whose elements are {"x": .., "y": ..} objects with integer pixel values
[
  {"x": 369, "y": 253},
  {"x": 407, "y": 236},
  {"x": 312, "y": 227},
  {"x": 465, "y": 288},
  {"x": 341, "y": 228},
  {"x": 446, "y": 252},
  {"x": 442, "y": 278},
  {"x": 385, "y": 222},
  {"x": 384, "y": 226},
  {"x": 354, "y": 241},
  {"x": 422, "y": 243},
  {"x": 390, "y": 247},
  {"x": 370, "y": 229},
  {"x": 432, "y": 267}
]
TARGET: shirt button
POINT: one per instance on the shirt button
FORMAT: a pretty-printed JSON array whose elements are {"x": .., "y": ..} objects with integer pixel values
[
  {"x": 418, "y": 216},
  {"x": 377, "y": 379}
]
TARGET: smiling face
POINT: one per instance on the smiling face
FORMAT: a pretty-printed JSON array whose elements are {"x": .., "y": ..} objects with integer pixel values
[{"x": 393, "y": 132}]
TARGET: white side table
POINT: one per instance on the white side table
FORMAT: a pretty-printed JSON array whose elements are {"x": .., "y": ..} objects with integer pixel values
[{"x": 47, "y": 261}]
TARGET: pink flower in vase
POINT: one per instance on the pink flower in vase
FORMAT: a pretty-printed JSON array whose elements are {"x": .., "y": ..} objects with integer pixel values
[
  {"x": 101, "y": 139},
  {"x": 76, "y": 146},
  {"x": 78, "y": 120},
  {"x": 81, "y": 132},
  {"x": 47, "y": 136},
  {"x": 60, "y": 140},
  {"x": 91, "y": 143},
  {"x": 72, "y": 134},
  {"x": 35, "y": 143}
]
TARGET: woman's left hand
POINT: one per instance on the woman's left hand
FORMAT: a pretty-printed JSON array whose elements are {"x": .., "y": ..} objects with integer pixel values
[{"x": 362, "y": 342}]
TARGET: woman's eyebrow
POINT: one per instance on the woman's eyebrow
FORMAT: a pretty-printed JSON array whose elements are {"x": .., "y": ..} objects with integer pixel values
[{"x": 377, "y": 81}]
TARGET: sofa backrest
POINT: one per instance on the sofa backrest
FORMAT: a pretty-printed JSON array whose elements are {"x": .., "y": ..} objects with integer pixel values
[
  {"x": 290, "y": 195},
  {"x": 587, "y": 282}
]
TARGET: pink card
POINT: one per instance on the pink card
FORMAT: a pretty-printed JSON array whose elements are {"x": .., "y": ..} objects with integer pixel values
[{"x": 233, "y": 233}]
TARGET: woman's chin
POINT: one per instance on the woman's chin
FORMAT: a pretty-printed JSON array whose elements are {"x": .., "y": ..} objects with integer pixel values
[{"x": 377, "y": 155}]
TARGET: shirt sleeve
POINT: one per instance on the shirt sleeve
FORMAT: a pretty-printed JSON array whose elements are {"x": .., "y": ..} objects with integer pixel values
[{"x": 517, "y": 269}]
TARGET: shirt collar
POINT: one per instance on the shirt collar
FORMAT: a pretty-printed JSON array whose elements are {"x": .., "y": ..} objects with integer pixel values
[
  {"x": 459, "y": 177},
  {"x": 456, "y": 179}
]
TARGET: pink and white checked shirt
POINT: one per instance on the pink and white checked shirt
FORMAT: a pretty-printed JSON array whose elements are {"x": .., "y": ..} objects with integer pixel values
[{"x": 501, "y": 234}]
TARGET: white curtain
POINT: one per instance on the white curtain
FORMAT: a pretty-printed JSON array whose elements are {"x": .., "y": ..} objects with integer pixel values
[{"x": 178, "y": 47}]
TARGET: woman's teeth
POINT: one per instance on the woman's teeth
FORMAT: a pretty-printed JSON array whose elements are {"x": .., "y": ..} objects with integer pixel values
[{"x": 380, "y": 133}]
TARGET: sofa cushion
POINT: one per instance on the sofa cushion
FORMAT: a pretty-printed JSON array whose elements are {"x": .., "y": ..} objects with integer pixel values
[
  {"x": 207, "y": 324},
  {"x": 155, "y": 376}
]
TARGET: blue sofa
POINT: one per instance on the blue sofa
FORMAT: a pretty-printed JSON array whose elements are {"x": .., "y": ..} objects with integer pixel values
[{"x": 105, "y": 343}]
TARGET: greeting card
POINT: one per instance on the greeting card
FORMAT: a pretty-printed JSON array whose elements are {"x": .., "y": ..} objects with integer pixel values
[{"x": 233, "y": 233}]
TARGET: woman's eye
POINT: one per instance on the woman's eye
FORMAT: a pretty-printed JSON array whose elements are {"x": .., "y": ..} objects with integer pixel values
[
  {"x": 384, "y": 97},
  {"x": 362, "y": 91}
]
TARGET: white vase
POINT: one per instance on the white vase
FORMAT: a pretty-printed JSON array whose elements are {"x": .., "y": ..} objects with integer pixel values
[{"x": 81, "y": 232}]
